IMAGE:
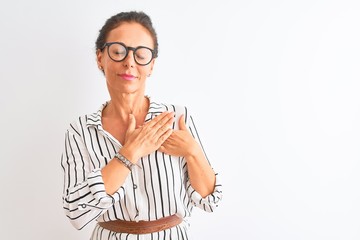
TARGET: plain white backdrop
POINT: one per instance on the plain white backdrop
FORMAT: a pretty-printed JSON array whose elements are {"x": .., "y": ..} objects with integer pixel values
[{"x": 273, "y": 85}]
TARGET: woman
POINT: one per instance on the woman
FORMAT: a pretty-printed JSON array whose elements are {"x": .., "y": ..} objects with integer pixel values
[{"x": 135, "y": 166}]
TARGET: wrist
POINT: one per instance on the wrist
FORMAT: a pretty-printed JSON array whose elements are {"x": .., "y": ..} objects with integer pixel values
[
  {"x": 129, "y": 165},
  {"x": 194, "y": 152},
  {"x": 129, "y": 154}
]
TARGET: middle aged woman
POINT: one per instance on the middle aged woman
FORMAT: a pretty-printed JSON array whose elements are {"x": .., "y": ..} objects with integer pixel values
[{"x": 136, "y": 166}]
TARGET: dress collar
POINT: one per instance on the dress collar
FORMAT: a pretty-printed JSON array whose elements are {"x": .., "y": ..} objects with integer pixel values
[{"x": 94, "y": 119}]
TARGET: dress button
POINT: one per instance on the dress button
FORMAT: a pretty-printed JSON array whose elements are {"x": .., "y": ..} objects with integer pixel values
[{"x": 135, "y": 186}]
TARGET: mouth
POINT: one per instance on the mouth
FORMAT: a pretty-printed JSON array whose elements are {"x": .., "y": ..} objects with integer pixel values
[{"x": 127, "y": 77}]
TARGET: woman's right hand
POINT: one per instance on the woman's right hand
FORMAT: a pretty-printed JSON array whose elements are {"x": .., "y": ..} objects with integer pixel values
[{"x": 149, "y": 137}]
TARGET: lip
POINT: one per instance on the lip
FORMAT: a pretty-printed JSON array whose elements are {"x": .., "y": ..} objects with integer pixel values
[{"x": 127, "y": 77}]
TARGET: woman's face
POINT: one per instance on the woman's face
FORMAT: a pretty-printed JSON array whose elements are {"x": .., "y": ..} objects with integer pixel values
[{"x": 126, "y": 76}]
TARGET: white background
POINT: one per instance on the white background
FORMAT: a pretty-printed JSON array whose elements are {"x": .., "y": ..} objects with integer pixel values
[{"x": 273, "y": 85}]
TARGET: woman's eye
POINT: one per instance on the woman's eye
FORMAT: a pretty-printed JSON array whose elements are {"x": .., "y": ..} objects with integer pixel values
[
  {"x": 138, "y": 56},
  {"x": 119, "y": 52}
]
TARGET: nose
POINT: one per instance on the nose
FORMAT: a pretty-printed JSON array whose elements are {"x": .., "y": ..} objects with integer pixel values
[{"x": 129, "y": 61}]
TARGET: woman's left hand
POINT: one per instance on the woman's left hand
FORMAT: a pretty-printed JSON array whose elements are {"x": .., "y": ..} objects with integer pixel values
[{"x": 180, "y": 142}]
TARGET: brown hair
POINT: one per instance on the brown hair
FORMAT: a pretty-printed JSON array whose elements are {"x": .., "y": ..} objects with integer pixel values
[{"x": 132, "y": 16}]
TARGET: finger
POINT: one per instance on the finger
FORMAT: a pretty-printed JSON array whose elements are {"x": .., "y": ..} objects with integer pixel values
[
  {"x": 156, "y": 119},
  {"x": 132, "y": 124},
  {"x": 162, "y": 129},
  {"x": 165, "y": 122},
  {"x": 164, "y": 136},
  {"x": 161, "y": 119},
  {"x": 161, "y": 148},
  {"x": 182, "y": 125}
]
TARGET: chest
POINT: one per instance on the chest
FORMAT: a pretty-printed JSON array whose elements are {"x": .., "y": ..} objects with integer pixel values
[
  {"x": 118, "y": 128},
  {"x": 156, "y": 171}
]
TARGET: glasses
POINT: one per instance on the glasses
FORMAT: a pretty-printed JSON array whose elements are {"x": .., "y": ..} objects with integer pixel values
[{"x": 118, "y": 51}]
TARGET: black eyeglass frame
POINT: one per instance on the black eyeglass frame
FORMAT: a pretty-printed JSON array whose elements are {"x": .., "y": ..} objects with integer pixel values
[{"x": 108, "y": 44}]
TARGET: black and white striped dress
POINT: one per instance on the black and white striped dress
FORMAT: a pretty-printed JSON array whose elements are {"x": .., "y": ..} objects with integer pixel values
[{"x": 159, "y": 188}]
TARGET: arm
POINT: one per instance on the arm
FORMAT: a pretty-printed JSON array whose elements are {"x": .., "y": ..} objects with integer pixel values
[
  {"x": 201, "y": 175},
  {"x": 84, "y": 196},
  {"x": 182, "y": 143},
  {"x": 203, "y": 185},
  {"x": 89, "y": 191}
]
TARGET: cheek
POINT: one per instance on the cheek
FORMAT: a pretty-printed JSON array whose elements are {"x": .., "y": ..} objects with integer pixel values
[{"x": 143, "y": 71}]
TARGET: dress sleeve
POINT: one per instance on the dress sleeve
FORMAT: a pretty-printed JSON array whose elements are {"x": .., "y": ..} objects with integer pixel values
[
  {"x": 84, "y": 196},
  {"x": 210, "y": 202}
]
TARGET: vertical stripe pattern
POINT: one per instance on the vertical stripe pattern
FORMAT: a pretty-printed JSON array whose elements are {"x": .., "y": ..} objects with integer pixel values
[{"x": 160, "y": 188}]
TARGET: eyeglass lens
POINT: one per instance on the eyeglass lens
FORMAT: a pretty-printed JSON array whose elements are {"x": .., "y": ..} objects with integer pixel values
[{"x": 118, "y": 52}]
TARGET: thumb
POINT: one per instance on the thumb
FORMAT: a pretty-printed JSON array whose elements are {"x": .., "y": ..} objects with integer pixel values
[
  {"x": 182, "y": 125},
  {"x": 161, "y": 149},
  {"x": 132, "y": 124}
]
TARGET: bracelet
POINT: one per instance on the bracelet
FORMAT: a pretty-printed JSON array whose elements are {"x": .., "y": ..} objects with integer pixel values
[{"x": 124, "y": 161}]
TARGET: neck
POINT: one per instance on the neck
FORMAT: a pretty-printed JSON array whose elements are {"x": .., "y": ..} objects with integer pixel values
[{"x": 123, "y": 105}]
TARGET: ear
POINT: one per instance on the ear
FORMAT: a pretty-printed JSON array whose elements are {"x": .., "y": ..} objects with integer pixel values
[
  {"x": 99, "y": 55},
  {"x": 151, "y": 65}
]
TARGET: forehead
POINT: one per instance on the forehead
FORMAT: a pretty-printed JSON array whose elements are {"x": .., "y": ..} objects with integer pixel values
[{"x": 132, "y": 34}]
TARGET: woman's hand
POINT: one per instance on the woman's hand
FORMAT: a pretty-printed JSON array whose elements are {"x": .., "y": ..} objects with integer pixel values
[
  {"x": 181, "y": 142},
  {"x": 142, "y": 141}
]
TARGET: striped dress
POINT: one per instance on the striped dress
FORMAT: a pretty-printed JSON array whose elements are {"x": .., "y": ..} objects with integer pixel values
[{"x": 160, "y": 188}]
